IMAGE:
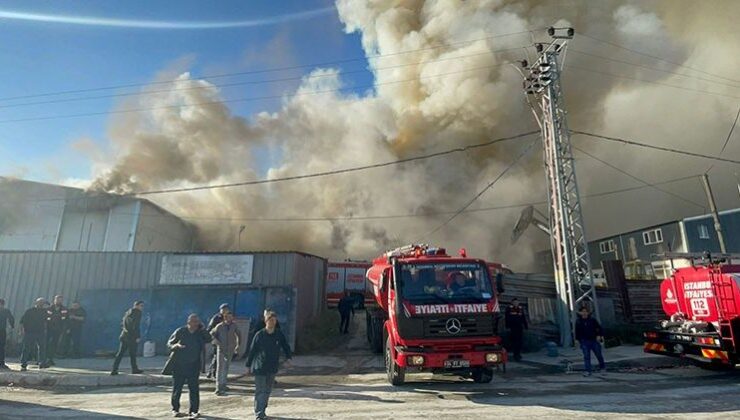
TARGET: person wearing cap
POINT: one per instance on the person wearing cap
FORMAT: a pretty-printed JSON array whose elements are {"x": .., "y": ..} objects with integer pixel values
[
  {"x": 6, "y": 317},
  {"x": 130, "y": 337},
  {"x": 263, "y": 361},
  {"x": 33, "y": 328},
  {"x": 216, "y": 319}
]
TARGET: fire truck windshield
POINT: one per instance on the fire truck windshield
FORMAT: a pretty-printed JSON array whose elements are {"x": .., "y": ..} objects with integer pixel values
[{"x": 444, "y": 282}]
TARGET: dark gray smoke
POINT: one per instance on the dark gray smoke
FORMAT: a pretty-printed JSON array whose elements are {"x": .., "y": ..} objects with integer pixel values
[{"x": 461, "y": 92}]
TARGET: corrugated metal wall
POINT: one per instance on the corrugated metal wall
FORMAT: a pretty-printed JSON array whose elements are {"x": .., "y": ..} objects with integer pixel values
[
  {"x": 24, "y": 276},
  {"x": 273, "y": 269}
]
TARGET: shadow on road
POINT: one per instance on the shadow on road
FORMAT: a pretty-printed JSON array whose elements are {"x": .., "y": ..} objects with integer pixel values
[{"x": 40, "y": 411}]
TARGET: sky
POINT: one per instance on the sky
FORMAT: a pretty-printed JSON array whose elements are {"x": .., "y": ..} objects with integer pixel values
[
  {"x": 657, "y": 72},
  {"x": 53, "y": 47}
]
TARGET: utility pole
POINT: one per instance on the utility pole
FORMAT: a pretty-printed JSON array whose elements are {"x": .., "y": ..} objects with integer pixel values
[
  {"x": 715, "y": 215},
  {"x": 571, "y": 259}
]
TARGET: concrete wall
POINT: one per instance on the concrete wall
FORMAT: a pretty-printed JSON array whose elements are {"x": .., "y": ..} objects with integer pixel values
[
  {"x": 158, "y": 230},
  {"x": 43, "y": 217},
  {"x": 30, "y": 214}
]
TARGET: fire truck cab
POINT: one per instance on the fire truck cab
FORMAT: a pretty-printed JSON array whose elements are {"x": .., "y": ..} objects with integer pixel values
[{"x": 434, "y": 313}]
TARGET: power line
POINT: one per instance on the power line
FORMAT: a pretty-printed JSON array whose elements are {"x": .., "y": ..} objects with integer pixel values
[
  {"x": 338, "y": 171},
  {"x": 249, "y": 82},
  {"x": 657, "y": 58},
  {"x": 305, "y": 176},
  {"x": 272, "y": 69},
  {"x": 646, "y": 183},
  {"x": 248, "y": 99},
  {"x": 619, "y": 76},
  {"x": 652, "y": 146},
  {"x": 650, "y": 68},
  {"x": 727, "y": 140},
  {"x": 481, "y": 192},
  {"x": 407, "y": 215}
]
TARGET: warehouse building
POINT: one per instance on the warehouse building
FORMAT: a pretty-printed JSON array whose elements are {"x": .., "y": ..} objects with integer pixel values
[
  {"x": 44, "y": 217},
  {"x": 173, "y": 285},
  {"x": 637, "y": 249}
]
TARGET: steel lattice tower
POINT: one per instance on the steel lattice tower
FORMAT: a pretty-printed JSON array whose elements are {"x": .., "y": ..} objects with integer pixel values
[{"x": 571, "y": 259}]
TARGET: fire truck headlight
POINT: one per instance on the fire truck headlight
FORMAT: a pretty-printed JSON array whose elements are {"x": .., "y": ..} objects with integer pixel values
[
  {"x": 492, "y": 357},
  {"x": 415, "y": 360}
]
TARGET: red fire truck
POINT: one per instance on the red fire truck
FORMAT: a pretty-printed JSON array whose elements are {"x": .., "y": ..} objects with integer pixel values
[
  {"x": 701, "y": 302},
  {"x": 434, "y": 313},
  {"x": 348, "y": 276}
]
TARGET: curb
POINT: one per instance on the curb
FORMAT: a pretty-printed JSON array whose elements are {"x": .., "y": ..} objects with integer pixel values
[{"x": 38, "y": 380}]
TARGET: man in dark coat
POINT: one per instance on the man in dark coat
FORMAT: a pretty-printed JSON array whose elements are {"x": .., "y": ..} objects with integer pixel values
[
  {"x": 130, "y": 337},
  {"x": 216, "y": 319},
  {"x": 516, "y": 322},
  {"x": 590, "y": 336},
  {"x": 6, "y": 317},
  {"x": 186, "y": 349},
  {"x": 33, "y": 327},
  {"x": 72, "y": 339},
  {"x": 57, "y": 316},
  {"x": 345, "y": 307},
  {"x": 263, "y": 361}
]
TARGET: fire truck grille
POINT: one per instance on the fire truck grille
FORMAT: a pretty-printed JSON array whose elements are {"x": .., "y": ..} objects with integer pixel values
[{"x": 466, "y": 327}]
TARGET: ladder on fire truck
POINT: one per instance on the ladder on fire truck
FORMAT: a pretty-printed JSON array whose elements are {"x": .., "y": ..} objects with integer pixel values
[
  {"x": 721, "y": 287},
  {"x": 725, "y": 299}
]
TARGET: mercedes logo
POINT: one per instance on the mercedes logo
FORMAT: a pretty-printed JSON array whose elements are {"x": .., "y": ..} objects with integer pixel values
[{"x": 453, "y": 326}]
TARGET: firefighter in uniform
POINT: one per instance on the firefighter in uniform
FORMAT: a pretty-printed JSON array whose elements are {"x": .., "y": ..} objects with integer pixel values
[
  {"x": 516, "y": 322},
  {"x": 56, "y": 321}
]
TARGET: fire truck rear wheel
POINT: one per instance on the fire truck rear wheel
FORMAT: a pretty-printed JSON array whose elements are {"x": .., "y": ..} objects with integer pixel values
[
  {"x": 482, "y": 375},
  {"x": 396, "y": 374}
]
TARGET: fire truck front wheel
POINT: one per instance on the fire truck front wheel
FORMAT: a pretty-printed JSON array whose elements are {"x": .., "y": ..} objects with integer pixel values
[
  {"x": 482, "y": 375},
  {"x": 396, "y": 374}
]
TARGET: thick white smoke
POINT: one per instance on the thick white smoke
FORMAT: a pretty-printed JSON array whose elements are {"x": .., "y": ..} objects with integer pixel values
[{"x": 441, "y": 81}]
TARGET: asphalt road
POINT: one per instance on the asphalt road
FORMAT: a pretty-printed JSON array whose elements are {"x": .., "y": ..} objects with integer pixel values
[
  {"x": 349, "y": 383},
  {"x": 682, "y": 392}
]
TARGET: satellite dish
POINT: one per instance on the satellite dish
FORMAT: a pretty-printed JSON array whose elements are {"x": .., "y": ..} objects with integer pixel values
[{"x": 525, "y": 219}]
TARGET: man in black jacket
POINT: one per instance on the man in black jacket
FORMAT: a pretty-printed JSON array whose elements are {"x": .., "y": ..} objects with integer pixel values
[
  {"x": 345, "y": 307},
  {"x": 263, "y": 361},
  {"x": 6, "y": 317},
  {"x": 589, "y": 335},
  {"x": 33, "y": 327},
  {"x": 186, "y": 348},
  {"x": 57, "y": 316},
  {"x": 130, "y": 337},
  {"x": 516, "y": 322}
]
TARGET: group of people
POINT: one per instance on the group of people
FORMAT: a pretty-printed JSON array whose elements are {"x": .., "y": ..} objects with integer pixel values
[
  {"x": 186, "y": 348},
  {"x": 49, "y": 330},
  {"x": 588, "y": 334}
]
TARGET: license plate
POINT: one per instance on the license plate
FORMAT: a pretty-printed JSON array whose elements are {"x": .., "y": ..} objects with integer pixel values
[{"x": 457, "y": 363}]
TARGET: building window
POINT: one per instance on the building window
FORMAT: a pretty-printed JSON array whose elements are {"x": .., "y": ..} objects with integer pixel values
[
  {"x": 606, "y": 246},
  {"x": 703, "y": 232},
  {"x": 651, "y": 237}
]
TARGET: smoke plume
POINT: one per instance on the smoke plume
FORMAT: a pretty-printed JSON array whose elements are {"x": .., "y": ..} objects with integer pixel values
[{"x": 441, "y": 81}]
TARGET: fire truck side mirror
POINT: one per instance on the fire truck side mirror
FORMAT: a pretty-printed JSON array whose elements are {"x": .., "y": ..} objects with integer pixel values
[{"x": 499, "y": 283}]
